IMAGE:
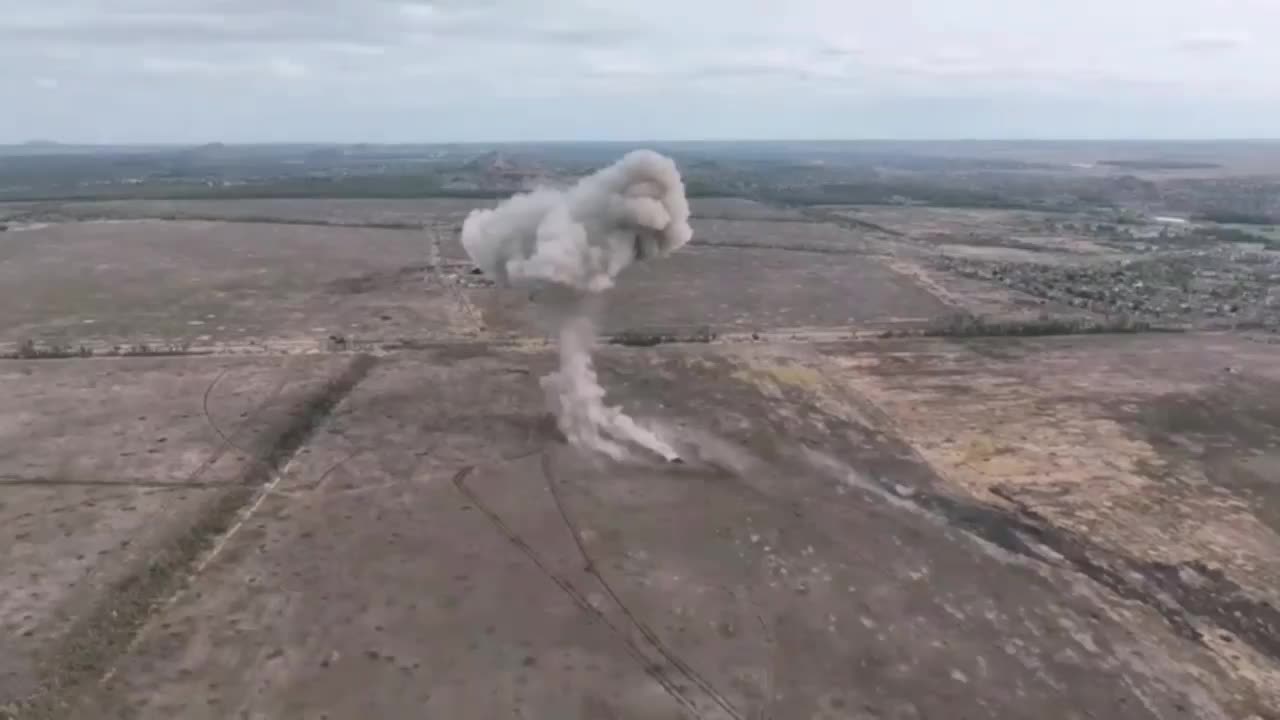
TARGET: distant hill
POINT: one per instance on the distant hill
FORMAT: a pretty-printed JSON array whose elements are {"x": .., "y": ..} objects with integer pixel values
[
  {"x": 52, "y": 147},
  {"x": 1157, "y": 164}
]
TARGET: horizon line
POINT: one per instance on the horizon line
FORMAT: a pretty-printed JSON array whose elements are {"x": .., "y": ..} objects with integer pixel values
[{"x": 36, "y": 143}]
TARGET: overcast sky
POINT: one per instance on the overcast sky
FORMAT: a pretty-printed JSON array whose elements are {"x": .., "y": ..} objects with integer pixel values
[{"x": 449, "y": 70}]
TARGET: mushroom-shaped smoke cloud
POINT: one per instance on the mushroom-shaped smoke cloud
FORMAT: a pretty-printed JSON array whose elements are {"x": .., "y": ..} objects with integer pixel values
[{"x": 575, "y": 243}]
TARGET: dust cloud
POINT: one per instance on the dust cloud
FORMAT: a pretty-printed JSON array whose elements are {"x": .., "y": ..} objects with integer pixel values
[{"x": 571, "y": 245}]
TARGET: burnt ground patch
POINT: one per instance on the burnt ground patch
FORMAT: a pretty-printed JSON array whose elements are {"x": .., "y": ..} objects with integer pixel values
[
  {"x": 1235, "y": 428},
  {"x": 1186, "y": 595},
  {"x": 1182, "y": 593}
]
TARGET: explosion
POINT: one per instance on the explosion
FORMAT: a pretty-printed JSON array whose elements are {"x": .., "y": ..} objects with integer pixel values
[{"x": 572, "y": 245}]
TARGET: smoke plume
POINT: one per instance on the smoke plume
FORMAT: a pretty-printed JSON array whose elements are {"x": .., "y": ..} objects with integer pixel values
[{"x": 572, "y": 244}]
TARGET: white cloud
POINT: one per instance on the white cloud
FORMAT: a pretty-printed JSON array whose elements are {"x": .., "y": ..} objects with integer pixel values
[
  {"x": 1213, "y": 41},
  {"x": 766, "y": 63},
  {"x": 286, "y": 68},
  {"x": 359, "y": 49},
  {"x": 181, "y": 66},
  {"x": 418, "y": 11},
  {"x": 46, "y": 83}
]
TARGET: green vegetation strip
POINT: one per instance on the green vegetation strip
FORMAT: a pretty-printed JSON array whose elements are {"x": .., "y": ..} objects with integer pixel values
[{"x": 75, "y": 664}]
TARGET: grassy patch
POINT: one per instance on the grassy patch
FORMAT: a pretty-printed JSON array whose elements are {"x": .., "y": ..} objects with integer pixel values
[
  {"x": 29, "y": 350},
  {"x": 640, "y": 338},
  {"x": 964, "y": 325}
]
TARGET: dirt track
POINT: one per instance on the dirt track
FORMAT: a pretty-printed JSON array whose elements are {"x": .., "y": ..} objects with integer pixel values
[{"x": 902, "y": 528}]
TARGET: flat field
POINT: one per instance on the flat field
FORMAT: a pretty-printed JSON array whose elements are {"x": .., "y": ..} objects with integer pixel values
[{"x": 340, "y": 494}]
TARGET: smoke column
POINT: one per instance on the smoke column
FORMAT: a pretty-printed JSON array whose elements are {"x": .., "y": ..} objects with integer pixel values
[{"x": 573, "y": 244}]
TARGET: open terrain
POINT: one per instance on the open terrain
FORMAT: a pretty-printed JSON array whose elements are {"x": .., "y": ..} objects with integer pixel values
[{"x": 288, "y": 458}]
